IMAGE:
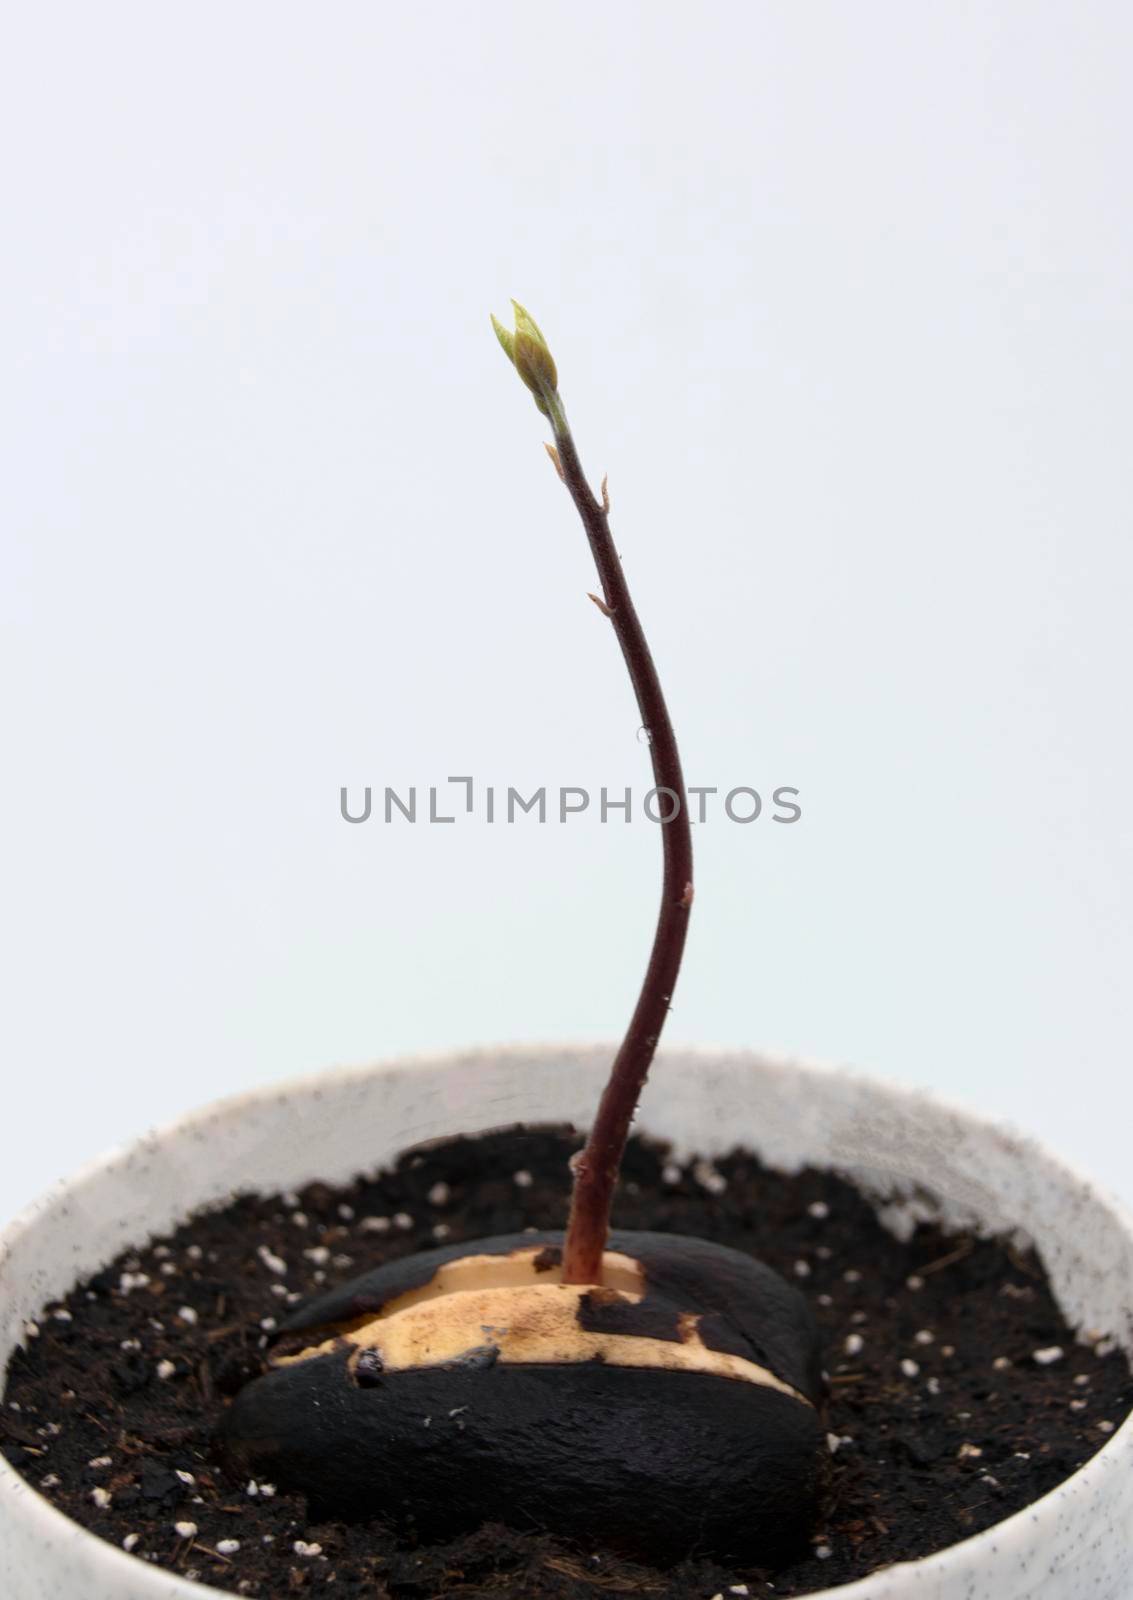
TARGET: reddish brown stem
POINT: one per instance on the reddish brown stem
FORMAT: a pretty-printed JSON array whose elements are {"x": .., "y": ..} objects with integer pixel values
[{"x": 596, "y": 1166}]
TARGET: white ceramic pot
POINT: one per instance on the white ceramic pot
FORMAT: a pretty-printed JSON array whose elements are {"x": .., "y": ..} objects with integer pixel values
[{"x": 1074, "y": 1543}]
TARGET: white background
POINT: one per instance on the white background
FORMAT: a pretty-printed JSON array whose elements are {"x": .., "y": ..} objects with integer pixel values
[{"x": 840, "y": 295}]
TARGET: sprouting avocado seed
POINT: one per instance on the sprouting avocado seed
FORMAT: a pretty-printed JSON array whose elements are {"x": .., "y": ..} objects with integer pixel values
[{"x": 669, "y": 1411}]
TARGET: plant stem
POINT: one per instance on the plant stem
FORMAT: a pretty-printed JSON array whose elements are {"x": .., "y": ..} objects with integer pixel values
[{"x": 596, "y": 1165}]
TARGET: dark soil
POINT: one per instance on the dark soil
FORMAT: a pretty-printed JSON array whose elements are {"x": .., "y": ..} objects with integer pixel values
[{"x": 957, "y": 1392}]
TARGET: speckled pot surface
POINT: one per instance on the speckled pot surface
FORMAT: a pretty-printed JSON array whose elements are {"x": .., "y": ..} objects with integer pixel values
[{"x": 1074, "y": 1544}]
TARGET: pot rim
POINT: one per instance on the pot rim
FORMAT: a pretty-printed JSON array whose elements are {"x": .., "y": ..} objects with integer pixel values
[{"x": 53, "y": 1525}]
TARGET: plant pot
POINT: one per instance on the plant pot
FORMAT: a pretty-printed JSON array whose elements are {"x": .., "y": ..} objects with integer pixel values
[{"x": 1072, "y": 1543}]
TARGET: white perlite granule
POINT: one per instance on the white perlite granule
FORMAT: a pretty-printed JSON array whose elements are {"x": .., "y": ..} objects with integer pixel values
[{"x": 271, "y": 1261}]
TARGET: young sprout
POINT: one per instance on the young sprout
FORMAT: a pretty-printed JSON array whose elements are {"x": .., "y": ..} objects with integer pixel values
[
  {"x": 656, "y": 1394},
  {"x": 596, "y": 1166}
]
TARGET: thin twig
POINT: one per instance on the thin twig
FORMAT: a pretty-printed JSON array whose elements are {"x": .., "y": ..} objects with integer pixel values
[
  {"x": 961, "y": 1253},
  {"x": 596, "y": 1166}
]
